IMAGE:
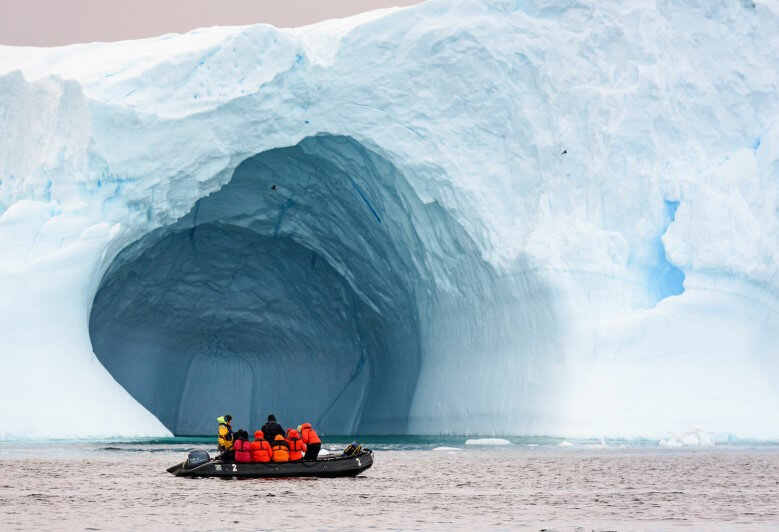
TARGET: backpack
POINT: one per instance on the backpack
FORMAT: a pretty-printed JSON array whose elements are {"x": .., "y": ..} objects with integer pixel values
[{"x": 353, "y": 449}]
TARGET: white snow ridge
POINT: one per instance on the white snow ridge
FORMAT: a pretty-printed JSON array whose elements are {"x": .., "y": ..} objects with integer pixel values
[{"x": 462, "y": 217}]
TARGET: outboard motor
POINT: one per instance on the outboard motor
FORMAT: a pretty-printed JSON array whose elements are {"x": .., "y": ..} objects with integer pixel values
[{"x": 197, "y": 458}]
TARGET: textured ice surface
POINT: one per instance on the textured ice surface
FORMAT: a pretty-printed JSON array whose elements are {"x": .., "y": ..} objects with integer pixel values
[{"x": 488, "y": 218}]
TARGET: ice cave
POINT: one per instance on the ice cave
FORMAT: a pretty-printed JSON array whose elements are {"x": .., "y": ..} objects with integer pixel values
[
  {"x": 300, "y": 287},
  {"x": 293, "y": 289}
]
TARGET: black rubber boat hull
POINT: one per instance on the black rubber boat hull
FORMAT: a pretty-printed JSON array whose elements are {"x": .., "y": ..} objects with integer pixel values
[{"x": 342, "y": 466}]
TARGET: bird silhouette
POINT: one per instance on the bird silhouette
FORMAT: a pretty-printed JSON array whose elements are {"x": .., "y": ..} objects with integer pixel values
[
  {"x": 564, "y": 152},
  {"x": 273, "y": 187}
]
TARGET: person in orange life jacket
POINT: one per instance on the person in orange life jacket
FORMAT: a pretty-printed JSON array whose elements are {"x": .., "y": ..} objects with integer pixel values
[
  {"x": 296, "y": 445},
  {"x": 241, "y": 447},
  {"x": 271, "y": 428},
  {"x": 312, "y": 441},
  {"x": 261, "y": 451},
  {"x": 280, "y": 449}
]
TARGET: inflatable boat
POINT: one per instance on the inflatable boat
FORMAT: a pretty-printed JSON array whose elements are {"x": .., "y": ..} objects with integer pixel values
[{"x": 198, "y": 464}]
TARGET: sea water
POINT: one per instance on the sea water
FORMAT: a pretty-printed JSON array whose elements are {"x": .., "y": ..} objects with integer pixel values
[{"x": 415, "y": 483}]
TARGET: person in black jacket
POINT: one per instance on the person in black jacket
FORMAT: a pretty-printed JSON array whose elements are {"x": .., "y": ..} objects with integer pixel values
[{"x": 271, "y": 428}]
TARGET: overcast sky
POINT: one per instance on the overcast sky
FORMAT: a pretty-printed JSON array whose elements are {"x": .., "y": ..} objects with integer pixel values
[{"x": 58, "y": 22}]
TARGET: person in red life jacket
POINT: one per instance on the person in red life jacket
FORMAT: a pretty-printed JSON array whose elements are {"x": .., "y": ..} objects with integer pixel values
[
  {"x": 280, "y": 449},
  {"x": 312, "y": 441},
  {"x": 296, "y": 445},
  {"x": 241, "y": 447},
  {"x": 261, "y": 451}
]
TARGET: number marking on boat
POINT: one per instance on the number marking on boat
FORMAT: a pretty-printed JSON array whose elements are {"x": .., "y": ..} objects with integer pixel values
[{"x": 235, "y": 467}]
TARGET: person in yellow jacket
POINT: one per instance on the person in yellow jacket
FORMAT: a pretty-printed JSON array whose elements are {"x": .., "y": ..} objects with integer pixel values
[{"x": 225, "y": 435}]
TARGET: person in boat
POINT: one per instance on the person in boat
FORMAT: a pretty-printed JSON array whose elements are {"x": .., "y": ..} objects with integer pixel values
[
  {"x": 280, "y": 449},
  {"x": 241, "y": 447},
  {"x": 225, "y": 436},
  {"x": 261, "y": 451},
  {"x": 296, "y": 445},
  {"x": 312, "y": 441},
  {"x": 271, "y": 429}
]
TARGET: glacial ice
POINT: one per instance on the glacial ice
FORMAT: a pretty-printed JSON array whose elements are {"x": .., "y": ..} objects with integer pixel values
[
  {"x": 694, "y": 438},
  {"x": 469, "y": 217}
]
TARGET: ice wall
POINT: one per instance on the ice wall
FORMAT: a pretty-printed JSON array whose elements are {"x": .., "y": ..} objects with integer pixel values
[{"x": 489, "y": 217}]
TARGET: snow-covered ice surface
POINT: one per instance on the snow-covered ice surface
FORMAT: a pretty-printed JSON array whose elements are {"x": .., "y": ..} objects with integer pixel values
[{"x": 461, "y": 217}]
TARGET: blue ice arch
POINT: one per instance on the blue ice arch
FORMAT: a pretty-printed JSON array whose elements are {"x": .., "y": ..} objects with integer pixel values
[{"x": 297, "y": 289}]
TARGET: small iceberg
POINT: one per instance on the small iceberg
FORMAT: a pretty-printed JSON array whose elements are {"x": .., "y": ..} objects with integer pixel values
[
  {"x": 447, "y": 449},
  {"x": 564, "y": 443},
  {"x": 487, "y": 441},
  {"x": 695, "y": 437}
]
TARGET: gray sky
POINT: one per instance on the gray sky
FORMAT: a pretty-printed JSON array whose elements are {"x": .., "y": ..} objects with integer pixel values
[{"x": 58, "y": 22}]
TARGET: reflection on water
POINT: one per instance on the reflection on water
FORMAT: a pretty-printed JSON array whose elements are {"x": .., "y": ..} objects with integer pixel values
[{"x": 538, "y": 483}]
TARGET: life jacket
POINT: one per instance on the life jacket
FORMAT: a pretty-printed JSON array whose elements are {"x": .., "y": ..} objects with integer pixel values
[
  {"x": 308, "y": 435},
  {"x": 261, "y": 451},
  {"x": 280, "y": 449},
  {"x": 296, "y": 445},
  {"x": 225, "y": 436},
  {"x": 243, "y": 452}
]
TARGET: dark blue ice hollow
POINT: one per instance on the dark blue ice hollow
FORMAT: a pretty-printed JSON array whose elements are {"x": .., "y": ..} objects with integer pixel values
[{"x": 304, "y": 300}]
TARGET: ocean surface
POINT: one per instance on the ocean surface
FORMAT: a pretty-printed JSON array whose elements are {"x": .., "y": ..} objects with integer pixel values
[{"x": 415, "y": 483}]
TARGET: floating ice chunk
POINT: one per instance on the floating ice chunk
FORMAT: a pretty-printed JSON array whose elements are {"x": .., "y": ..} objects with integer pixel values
[
  {"x": 564, "y": 443},
  {"x": 695, "y": 437},
  {"x": 600, "y": 445},
  {"x": 487, "y": 441},
  {"x": 447, "y": 449}
]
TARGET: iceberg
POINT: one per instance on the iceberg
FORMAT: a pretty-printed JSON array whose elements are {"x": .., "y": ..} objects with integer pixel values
[
  {"x": 468, "y": 218},
  {"x": 695, "y": 437}
]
